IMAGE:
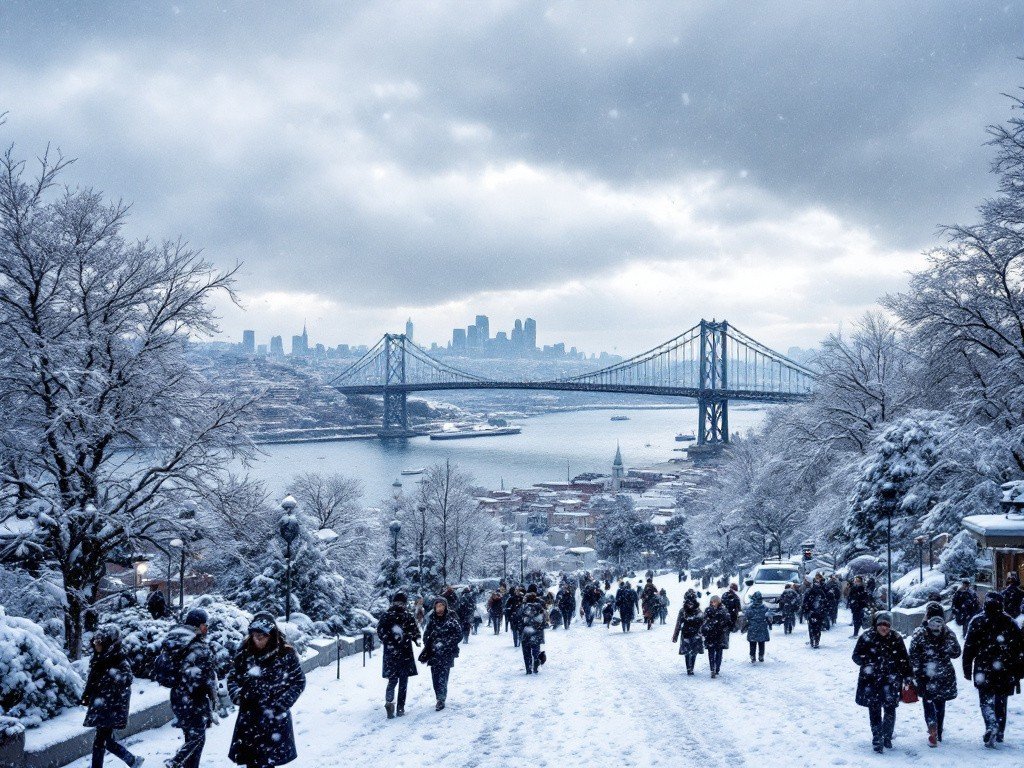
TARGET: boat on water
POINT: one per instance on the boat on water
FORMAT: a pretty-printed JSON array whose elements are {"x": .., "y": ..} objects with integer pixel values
[
  {"x": 682, "y": 438},
  {"x": 620, "y": 418},
  {"x": 460, "y": 434},
  {"x": 418, "y": 471}
]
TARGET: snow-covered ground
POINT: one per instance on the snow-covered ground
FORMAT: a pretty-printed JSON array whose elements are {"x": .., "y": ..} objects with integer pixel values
[{"x": 613, "y": 699}]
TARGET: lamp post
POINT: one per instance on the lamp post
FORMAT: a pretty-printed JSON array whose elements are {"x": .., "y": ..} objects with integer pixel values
[
  {"x": 920, "y": 558},
  {"x": 504, "y": 559},
  {"x": 647, "y": 554},
  {"x": 395, "y": 528},
  {"x": 180, "y": 545},
  {"x": 422, "y": 510},
  {"x": 889, "y": 498},
  {"x": 141, "y": 565},
  {"x": 289, "y": 529},
  {"x": 521, "y": 540}
]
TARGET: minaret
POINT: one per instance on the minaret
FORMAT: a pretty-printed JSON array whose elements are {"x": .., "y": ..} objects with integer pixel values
[
  {"x": 617, "y": 470},
  {"x": 408, "y": 329}
]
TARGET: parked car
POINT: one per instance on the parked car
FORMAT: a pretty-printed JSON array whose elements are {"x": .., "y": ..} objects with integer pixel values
[{"x": 770, "y": 579}]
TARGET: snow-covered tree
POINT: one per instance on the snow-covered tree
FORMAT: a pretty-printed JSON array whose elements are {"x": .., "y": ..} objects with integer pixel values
[
  {"x": 675, "y": 543},
  {"x": 108, "y": 429},
  {"x": 959, "y": 559}
]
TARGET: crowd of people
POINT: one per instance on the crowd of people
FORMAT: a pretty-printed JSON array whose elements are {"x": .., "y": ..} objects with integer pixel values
[{"x": 266, "y": 678}]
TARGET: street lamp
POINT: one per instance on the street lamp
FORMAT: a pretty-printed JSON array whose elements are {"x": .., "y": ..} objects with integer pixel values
[
  {"x": 395, "y": 528},
  {"x": 422, "y": 510},
  {"x": 141, "y": 566},
  {"x": 647, "y": 554},
  {"x": 289, "y": 529},
  {"x": 522, "y": 540},
  {"x": 889, "y": 498},
  {"x": 504, "y": 559},
  {"x": 920, "y": 558},
  {"x": 179, "y": 544}
]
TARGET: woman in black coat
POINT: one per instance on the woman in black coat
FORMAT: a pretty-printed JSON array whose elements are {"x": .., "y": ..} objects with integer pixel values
[
  {"x": 815, "y": 609},
  {"x": 627, "y": 603},
  {"x": 265, "y": 681},
  {"x": 441, "y": 647},
  {"x": 884, "y": 667},
  {"x": 108, "y": 692},
  {"x": 993, "y": 650},
  {"x": 933, "y": 646},
  {"x": 687, "y": 631},
  {"x": 718, "y": 623},
  {"x": 397, "y": 630}
]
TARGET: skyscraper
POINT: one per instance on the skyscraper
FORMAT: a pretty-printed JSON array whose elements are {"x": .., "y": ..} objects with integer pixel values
[
  {"x": 300, "y": 344},
  {"x": 530, "y": 333},
  {"x": 483, "y": 330},
  {"x": 408, "y": 329},
  {"x": 276, "y": 346},
  {"x": 249, "y": 342},
  {"x": 517, "y": 335},
  {"x": 459, "y": 340},
  {"x": 472, "y": 337}
]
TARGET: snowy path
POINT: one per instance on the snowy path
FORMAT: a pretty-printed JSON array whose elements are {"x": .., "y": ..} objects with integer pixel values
[{"x": 614, "y": 699}]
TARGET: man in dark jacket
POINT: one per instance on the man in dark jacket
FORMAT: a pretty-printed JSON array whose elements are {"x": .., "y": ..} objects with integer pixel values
[
  {"x": 108, "y": 691},
  {"x": 815, "y": 609},
  {"x": 466, "y": 609},
  {"x": 965, "y": 605},
  {"x": 858, "y": 601},
  {"x": 591, "y": 598},
  {"x": 1013, "y": 595},
  {"x": 789, "y": 604},
  {"x": 884, "y": 667},
  {"x": 512, "y": 605},
  {"x": 398, "y": 631},
  {"x": 731, "y": 601},
  {"x": 532, "y": 621},
  {"x": 189, "y": 659},
  {"x": 993, "y": 651},
  {"x": 627, "y": 603},
  {"x": 834, "y": 590},
  {"x": 566, "y": 602},
  {"x": 155, "y": 603}
]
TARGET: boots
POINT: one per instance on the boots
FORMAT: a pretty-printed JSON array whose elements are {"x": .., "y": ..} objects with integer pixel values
[
  {"x": 439, "y": 706},
  {"x": 933, "y": 736},
  {"x": 389, "y": 707}
]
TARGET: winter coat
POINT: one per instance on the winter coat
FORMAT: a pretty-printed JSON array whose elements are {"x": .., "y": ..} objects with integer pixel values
[
  {"x": 566, "y": 601},
  {"x": 884, "y": 665},
  {"x": 965, "y": 606},
  {"x": 688, "y": 628},
  {"x": 591, "y": 595},
  {"x": 194, "y": 694},
  {"x": 512, "y": 604},
  {"x": 156, "y": 604},
  {"x": 627, "y": 603},
  {"x": 397, "y": 630},
  {"x": 815, "y": 603},
  {"x": 992, "y": 652},
  {"x": 717, "y": 626},
  {"x": 858, "y": 599},
  {"x": 532, "y": 621},
  {"x": 108, "y": 689},
  {"x": 1013, "y": 597},
  {"x": 466, "y": 608},
  {"x": 265, "y": 687},
  {"x": 650, "y": 602},
  {"x": 731, "y": 602},
  {"x": 495, "y": 606},
  {"x": 931, "y": 656},
  {"x": 441, "y": 639},
  {"x": 789, "y": 602},
  {"x": 759, "y": 621},
  {"x": 834, "y": 592}
]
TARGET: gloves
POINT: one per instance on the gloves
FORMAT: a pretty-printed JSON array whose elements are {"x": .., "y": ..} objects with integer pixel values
[{"x": 214, "y": 718}]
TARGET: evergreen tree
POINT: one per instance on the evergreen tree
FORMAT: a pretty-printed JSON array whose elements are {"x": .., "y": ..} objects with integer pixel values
[
  {"x": 676, "y": 544},
  {"x": 959, "y": 560}
]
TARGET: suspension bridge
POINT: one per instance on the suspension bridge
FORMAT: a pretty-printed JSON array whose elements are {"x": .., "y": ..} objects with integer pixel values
[{"x": 712, "y": 363}]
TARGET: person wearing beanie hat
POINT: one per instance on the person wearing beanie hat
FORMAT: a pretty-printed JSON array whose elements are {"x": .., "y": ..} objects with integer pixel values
[
  {"x": 993, "y": 648},
  {"x": 933, "y": 646},
  {"x": 815, "y": 609},
  {"x": 107, "y": 694},
  {"x": 715, "y": 630},
  {"x": 884, "y": 669},
  {"x": 441, "y": 647},
  {"x": 265, "y": 681},
  {"x": 186, "y": 664},
  {"x": 965, "y": 605},
  {"x": 532, "y": 620},
  {"x": 627, "y": 602},
  {"x": 398, "y": 632}
]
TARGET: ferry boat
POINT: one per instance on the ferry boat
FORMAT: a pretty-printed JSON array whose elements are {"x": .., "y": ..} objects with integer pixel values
[
  {"x": 418, "y": 471},
  {"x": 459, "y": 434},
  {"x": 620, "y": 418},
  {"x": 682, "y": 438}
]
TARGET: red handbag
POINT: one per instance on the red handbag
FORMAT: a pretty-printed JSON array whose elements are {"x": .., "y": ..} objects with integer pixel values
[{"x": 909, "y": 695}]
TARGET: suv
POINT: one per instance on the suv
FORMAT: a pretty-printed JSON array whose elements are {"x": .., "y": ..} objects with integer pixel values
[{"x": 770, "y": 579}]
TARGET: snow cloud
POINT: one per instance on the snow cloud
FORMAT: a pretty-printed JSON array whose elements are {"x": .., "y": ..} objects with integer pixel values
[{"x": 615, "y": 170}]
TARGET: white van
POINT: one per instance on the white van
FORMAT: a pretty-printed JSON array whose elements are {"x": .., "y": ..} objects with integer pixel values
[{"x": 770, "y": 579}]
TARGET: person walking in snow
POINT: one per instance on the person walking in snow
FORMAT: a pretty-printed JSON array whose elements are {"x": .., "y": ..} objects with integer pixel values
[
  {"x": 441, "y": 647},
  {"x": 466, "y": 610},
  {"x": 731, "y": 601},
  {"x": 933, "y": 646},
  {"x": 815, "y": 609},
  {"x": 858, "y": 601},
  {"x": 495, "y": 610},
  {"x": 757, "y": 625},
  {"x": 591, "y": 598},
  {"x": 189, "y": 665},
  {"x": 608, "y": 611},
  {"x": 566, "y": 602},
  {"x": 834, "y": 590},
  {"x": 965, "y": 605},
  {"x": 715, "y": 630},
  {"x": 992, "y": 658},
  {"x": 533, "y": 621},
  {"x": 649, "y": 603},
  {"x": 512, "y": 605},
  {"x": 265, "y": 681},
  {"x": 884, "y": 668},
  {"x": 398, "y": 632},
  {"x": 108, "y": 693},
  {"x": 627, "y": 603},
  {"x": 789, "y": 604},
  {"x": 688, "y": 630},
  {"x": 662, "y": 605},
  {"x": 156, "y": 604},
  {"x": 1013, "y": 595}
]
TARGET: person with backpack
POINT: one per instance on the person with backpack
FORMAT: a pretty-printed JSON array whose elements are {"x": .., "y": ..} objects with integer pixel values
[
  {"x": 566, "y": 602},
  {"x": 591, "y": 598},
  {"x": 155, "y": 603},
  {"x": 441, "y": 647},
  {"x": 731, "y": 601},
  {"x": 398, "y": 632},
  {"x": 627, "y": 602},
  {"x": 265, "y": 681},
  {"x": 186, "y": 666},
  {"x": 688, "y": 630},
  {"x": 884, "y": 669},
  {"x": 533, "y": 621},
  {"x": 757, "y": 625},
  {"x": 107, "y": 694},
  {"x": 495, "y": 609},
  {"x": 965, "y": 605},
  {"x": 933, "y": 646},
  {"x": 789, "y": 604}
]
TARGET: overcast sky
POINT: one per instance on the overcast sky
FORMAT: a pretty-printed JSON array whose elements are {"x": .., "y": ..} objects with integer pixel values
[{"x": 615, "y": 170}]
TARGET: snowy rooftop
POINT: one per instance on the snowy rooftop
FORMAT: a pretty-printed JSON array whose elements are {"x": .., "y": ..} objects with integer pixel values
[
  {"x": 1013, "y": 492},
  {"x": 996, "y": 530}
]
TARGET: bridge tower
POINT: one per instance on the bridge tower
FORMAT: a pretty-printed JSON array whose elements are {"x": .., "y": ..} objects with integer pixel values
[
  {"x": 712, "y": 403},
  {"x": 396, "y": 411}
]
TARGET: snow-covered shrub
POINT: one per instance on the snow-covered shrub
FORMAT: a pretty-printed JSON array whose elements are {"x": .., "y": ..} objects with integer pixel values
[
  {"x": 10, "y": 726},
  {"x": 141, "y": 636},
  {"x": 36, "y": 679},
  {"x": 35, "y": 597},
  {"x": 959, "y": 560},
  {"x": 298, "y": 632},
  {"x": 908, "y": 593}
]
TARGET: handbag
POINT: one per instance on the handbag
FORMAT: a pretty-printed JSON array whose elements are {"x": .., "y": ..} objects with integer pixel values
[
  {"x": 425, "y": 655},
  {"x": 909, "y": 694}
]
